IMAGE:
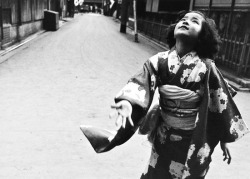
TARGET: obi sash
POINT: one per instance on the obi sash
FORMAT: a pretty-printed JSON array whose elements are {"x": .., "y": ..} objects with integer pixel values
[{"x": 178, "y": 108}]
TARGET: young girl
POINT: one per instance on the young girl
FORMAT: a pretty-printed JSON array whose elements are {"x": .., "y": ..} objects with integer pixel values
[{"x": 195, "y": 110}]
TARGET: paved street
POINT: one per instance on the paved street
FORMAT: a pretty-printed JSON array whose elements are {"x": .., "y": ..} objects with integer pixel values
[{"x": 61, "y": 80}]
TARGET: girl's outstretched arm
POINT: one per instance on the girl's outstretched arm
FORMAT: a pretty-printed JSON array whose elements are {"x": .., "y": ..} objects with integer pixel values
[{"x": 124, "y": 110}]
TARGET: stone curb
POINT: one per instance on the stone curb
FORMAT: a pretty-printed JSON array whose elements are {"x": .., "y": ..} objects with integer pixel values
[{"x": 19, "y": 44}]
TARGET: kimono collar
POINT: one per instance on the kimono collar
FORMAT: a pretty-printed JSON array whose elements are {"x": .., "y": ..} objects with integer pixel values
[{"x": 191, "y": 54}]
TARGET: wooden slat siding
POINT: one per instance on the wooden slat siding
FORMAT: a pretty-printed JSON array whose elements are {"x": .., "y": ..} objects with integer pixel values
[
  {"x": 14, "y": 10},
  {"x": 220, "y": 57},
  {"x": 149, "y": 28},
  {"x": 239, "y": 46},
  {"x": 160, "y": 31},
  {"x": 45, "y": 4},
  {"x": 237, "y": 51},
  {"x": 230, "y": 51},
  {"x": 241, "y": 62},
  {"x": 13, "y": 5},
  {"x": 234, "y": 54},
  {"x": 6, "y": 35},
  {"x": 33, "y": 9},
  {"x": 153, "y": 29},
  {"x": 226, "y": 49},
  {"x": 26, "y": 10},
  {"x": 39, "y": 8},
  {"x": 146, "y": 28},
  {"x": 142, "y": 26},
  {"x": 229, "y": 58},
  {"x": 231, "y": 63},
  {"x": 247, "y": 62}
]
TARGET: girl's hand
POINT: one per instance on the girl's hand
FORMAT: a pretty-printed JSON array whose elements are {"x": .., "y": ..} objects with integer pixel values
[
  {"x": 226, "y": 152},
  {"x": 124, "y": 110}
]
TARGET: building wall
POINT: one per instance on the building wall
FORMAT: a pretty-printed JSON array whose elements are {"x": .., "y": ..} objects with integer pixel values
[
  {"x": 231, "y": 16},
  {"x": 20, "y": 18},
  {"x": 159, "y": 6}
]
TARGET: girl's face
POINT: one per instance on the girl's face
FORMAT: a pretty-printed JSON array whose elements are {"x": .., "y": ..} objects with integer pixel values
[{"x": 189, "y": 26}]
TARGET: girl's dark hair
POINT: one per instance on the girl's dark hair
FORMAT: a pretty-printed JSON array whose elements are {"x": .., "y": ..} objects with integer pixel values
[{"x": 208, "y": 41}]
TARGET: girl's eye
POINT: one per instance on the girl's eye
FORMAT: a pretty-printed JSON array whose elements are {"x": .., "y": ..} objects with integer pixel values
[{"x": 196, "y": 22}]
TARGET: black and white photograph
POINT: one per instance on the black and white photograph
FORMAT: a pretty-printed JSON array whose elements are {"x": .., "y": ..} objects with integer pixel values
[{"x": 124, "y": 89}]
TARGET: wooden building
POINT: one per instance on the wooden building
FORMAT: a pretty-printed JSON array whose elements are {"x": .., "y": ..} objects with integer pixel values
[
  {"x": 232, "y": 18},
  {"x": 21, "y": 18}
]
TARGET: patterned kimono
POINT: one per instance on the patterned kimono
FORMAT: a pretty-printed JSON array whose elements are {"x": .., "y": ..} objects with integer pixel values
[{"x": 195, "y": 112}]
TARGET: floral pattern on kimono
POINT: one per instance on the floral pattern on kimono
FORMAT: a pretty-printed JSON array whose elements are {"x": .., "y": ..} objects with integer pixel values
[{"x": 218, "y": 119}]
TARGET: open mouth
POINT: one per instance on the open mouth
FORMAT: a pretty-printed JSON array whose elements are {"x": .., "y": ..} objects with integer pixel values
[{"x": 183, "y": 27}]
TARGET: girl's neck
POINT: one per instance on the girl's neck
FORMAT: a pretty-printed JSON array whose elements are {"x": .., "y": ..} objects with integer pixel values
[{"x": 182, "y": 48}]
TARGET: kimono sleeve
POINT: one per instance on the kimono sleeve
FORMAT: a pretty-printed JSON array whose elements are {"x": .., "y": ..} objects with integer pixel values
[
  {"x": 139, "y": 90},
  {"x": 223, "y": 110}
]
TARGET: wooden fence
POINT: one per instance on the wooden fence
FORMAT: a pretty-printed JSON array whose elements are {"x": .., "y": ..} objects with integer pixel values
[
  {"x": 234, "y": 53},
  {"x": 153, "y": 29}
]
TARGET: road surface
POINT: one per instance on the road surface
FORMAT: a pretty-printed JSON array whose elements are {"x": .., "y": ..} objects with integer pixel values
[{"x": 63, "y": 79}]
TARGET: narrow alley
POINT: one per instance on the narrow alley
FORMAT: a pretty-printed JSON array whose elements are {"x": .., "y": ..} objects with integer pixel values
[{"x": 63, "y": 79}]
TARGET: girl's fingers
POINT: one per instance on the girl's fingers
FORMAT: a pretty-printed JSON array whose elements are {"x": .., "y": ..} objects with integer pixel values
[
  {"x": 229, "y": 157},
  {"x": 225, "y": 156},
  {"x": 124, "y": 119},
  {"x": 130, "y": 120},
  {"x": 125, "y": 116}
]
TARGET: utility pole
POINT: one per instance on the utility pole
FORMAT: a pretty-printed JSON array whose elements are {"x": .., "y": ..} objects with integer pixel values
[
  {"x": 135, "y": 22},
  {"x": 124, "y": 15}
]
